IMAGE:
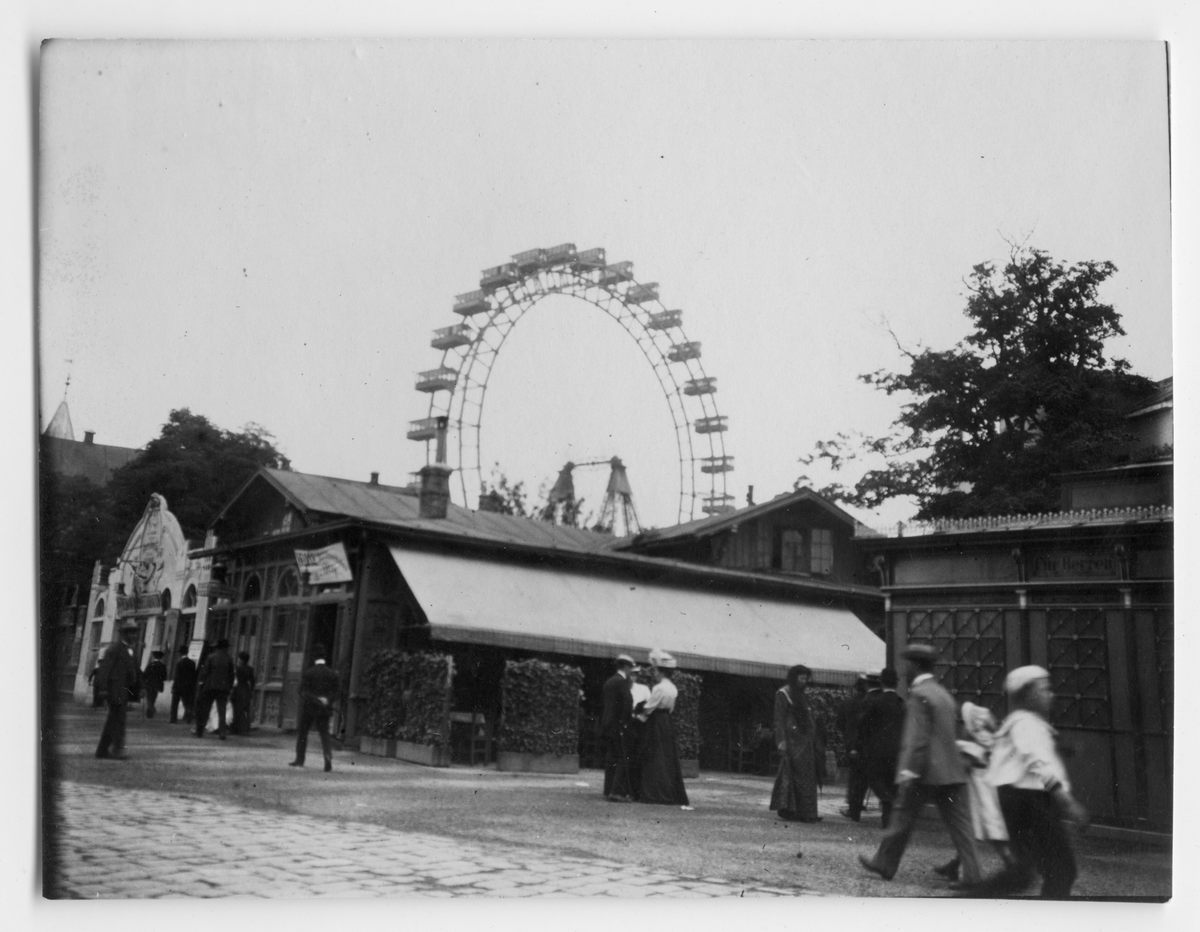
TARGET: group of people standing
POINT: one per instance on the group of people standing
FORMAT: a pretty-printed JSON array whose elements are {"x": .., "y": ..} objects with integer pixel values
[
  {"x": 118, "y": 684},
  {"x": 1005, "y": 785},
  {"x": 641, "y": 757}
]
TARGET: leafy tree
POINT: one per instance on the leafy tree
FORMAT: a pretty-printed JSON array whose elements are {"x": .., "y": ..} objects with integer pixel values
[
  {"x": 196, "y": 466},
  {"x": 1027, "y": 395},
  {"x": 503, "y": 498}
]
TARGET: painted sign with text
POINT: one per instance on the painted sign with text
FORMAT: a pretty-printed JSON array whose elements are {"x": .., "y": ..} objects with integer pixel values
[{"x": 325, "y": 566}]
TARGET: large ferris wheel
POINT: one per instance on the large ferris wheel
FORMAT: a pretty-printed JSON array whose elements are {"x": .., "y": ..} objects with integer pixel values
[{"x": 457, "y": 388}]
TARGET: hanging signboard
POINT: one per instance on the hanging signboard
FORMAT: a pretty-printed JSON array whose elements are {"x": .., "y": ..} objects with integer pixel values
[{"x": 325, "y": 566}]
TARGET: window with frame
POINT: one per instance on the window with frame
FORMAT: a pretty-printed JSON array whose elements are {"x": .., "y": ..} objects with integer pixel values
[
  {"x": 791, "y": 551},
  {"x": 822, "y": 552}
]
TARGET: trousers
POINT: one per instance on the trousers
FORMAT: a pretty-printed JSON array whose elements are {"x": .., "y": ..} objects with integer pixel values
[
  {"x": 112, "y": 736},
  {"x": 616, "y": 765},
  {"x": 314, "y": 716},
  {"x": 1039, "y": 843},
  {"x": 880, "y": 779},
  {"x": 207, "y": 698},
  {"x": 955, "y": 809},
  {"x": 189, "y": 706}
]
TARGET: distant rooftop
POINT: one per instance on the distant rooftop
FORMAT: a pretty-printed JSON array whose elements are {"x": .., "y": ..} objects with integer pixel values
[{"x": 1090, "y": 517}]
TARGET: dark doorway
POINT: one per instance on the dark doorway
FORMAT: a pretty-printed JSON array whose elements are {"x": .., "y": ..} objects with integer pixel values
[{"x": 322, "y": 630}]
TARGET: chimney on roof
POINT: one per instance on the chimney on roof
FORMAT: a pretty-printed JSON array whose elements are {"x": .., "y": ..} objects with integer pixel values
[
  {"x": 89, "y": 436},
  {"x": 374, "y": 478},
  {"x": 750, "y": 496},
  {"x": 434, "y": 497}
]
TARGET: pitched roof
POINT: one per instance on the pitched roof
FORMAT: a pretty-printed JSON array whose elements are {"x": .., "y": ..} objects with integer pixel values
[
  {"x": 94, "y": 461},
  {"x": 706, "y": 527},
  {"x": 398, "y": 506},
  {"x": 1162, "y": 397}
]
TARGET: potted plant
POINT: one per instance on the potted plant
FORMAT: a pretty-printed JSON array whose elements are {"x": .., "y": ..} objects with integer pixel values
[
  {"x": 539, "y": 724},
  {"x": 408, "y": 707}
]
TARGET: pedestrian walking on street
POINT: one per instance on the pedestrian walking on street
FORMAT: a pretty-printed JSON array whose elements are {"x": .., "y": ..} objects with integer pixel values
[
  {"x": 153, "y": 679},
  {"x": 615, "y": 724},
  {"x": 1035, "y": 792},
  {"x": 183, "y": 687},
  {"x": 216, "y": 681},
  {"x": 849, "y": 714},
  {"x": 119, "y": 683},
  {"x": 662, "y": 776},
  {"x": 979, "y": 727},
  {"x": 243, "y": 694},
  {"x": 877, "y": 745},
  {"x": 930, "y": 770},
  {"x": 318, "y": 693},
  {"x": 794, "y": 796}
]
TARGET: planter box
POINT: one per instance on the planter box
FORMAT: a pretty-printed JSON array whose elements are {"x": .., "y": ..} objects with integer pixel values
[
  {"x": 520, "y": 762},
  {"x": 690, "y": 768},
  {"x": 422, "y": 754},
  {"x": 379, "y": 747}
]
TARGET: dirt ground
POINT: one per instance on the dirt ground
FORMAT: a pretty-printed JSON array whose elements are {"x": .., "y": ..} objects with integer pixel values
[{"x": 730, "y": 834}]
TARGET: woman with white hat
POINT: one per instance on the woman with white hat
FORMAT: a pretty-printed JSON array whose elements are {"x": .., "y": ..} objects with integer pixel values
[
  {"x": 661, "y": 777},
  {"x": 1035, "y": 793}
]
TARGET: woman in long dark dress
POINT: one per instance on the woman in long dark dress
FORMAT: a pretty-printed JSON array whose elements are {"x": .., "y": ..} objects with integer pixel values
[
  {"x": 243, "y": 695},
  {"x": 662, "y": 777},
  {"x": 795, "y": 792}
]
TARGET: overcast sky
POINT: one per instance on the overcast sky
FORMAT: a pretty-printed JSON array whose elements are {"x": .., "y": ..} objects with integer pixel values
[{"x": 269, "y": 233}]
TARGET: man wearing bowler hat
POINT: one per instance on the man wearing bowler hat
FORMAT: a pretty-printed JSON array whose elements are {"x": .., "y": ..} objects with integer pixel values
[
  {"x": 615, "y": 722},
  {"x": 119, "y": 682},
  {"x": 930, "y": 769}
]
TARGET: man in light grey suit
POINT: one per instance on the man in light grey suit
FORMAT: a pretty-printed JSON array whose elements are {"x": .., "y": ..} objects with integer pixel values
[{"x": 930, "y": 769}]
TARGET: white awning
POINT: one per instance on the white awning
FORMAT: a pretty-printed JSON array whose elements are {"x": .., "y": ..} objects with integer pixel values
[{"x": 485, "y": 602}]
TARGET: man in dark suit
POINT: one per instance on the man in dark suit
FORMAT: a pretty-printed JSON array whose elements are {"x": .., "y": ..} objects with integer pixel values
[
  {"x": 849, "y": 714},
  {"x": 183, "y": 687},
  {"x": 153, "y": 678},
  {"x": 615, "y": 722},
  {"x": 318, "y": 693},
  {"x": 930, "y": 769},
  {"x": 216, "y": 680},
  {"x": 119, "y": 684},
  {"x": 877, "y": 746}
]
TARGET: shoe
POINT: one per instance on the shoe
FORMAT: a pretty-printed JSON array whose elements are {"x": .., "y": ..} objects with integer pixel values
[
  {"x": 619, "y": 799},
  {"x": 962, "y": 886},
  {"x": 949, "y": 870},
  {"x": 296, "y": 763},
  {"x": 222, "y": 737},
  {"x": 873, "y": 867},
  {"x": 121, "y": 756},
  {"x": 328, "y": 766},
  {"x": 845, "y": 814},
  {"x": 100, "y": 756}
]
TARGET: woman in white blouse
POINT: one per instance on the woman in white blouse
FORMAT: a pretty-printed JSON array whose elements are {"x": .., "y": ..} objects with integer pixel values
[{"x": 662, "y": 777}]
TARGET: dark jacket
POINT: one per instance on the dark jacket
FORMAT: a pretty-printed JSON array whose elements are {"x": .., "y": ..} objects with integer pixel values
[
  {"x": 877, "y": 738},
  {"x": 618, "y": 706},
  {"x": 118, "y": 676},
  {"x": 185, "y": 677},
  {"x": 217, "y": 673},
  {"x": 319, "y": 682},
  {"x": 154, "y": 676},
  {"x": 929, "y": 747}
]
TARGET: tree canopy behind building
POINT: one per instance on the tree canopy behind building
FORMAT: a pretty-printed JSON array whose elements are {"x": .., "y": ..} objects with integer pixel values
[
  {"x": 1027, "y": 395},
  {"x": 196, "y": 466}
]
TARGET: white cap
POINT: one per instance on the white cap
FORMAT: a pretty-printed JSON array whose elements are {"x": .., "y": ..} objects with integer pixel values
[{"x": 1023, "y": 676}]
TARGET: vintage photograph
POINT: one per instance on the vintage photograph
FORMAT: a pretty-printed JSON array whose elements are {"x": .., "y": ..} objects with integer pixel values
[{"x": 605, "y": 468}]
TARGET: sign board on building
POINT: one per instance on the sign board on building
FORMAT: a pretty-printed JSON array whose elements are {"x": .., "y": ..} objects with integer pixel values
[
  {"x": 141, "y": 604},
  {"x": 1075, "y": 565},
  {"x": 325, "y": 566}
]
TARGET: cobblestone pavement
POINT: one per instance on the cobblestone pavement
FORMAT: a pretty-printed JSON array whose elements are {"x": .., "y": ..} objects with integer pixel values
[{"x": 146, "y": 844}]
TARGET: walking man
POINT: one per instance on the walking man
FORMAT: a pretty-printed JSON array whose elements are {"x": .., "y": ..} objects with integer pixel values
[
  {"x": 849, "y": 715},
  {"x": 118, "y": 682},
  {"x": 318, "y": 692},
  {"x": 153, "y": 678},
  {"x": 216, "y": 680},
  {"x": 877, "y": 746},
  {"x": 615, "y": 723},
  {"x": 930, "y": 770},
  {"x": 183, "y": 687}
]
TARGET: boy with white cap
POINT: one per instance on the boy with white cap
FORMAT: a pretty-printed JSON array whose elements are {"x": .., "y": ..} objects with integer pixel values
[{"x": 1035, "y": 793}]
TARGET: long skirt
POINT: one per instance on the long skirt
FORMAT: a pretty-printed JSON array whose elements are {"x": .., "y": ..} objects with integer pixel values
[
  {"x": 662, "y": 777},
  {"x": 795, "y": 792}
]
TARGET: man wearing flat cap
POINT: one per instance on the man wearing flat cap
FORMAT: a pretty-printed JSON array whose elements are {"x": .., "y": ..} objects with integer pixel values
[
  {"x": 615, "y": 721},
  {"x": 930, "y": 769},
  {"x": 119, "y": 683}
]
